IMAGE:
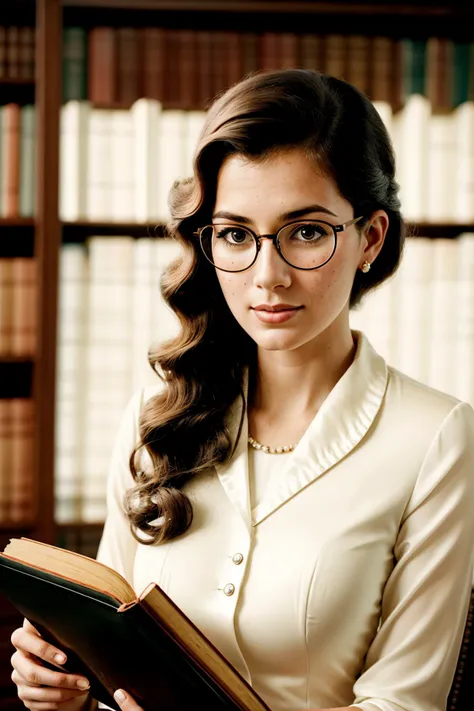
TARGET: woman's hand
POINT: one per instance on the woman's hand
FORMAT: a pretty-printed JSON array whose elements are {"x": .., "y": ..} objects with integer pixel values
[
  {"x": 125, "y": 701},
  {"x": 40, "y": 688}
]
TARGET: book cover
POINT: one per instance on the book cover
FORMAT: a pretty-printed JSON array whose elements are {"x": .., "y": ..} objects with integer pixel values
[{"x": 143, "y": 643}]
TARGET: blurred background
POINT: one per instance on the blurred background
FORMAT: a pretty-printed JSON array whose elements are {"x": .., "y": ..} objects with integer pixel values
[{"x": 101, "y": 103}]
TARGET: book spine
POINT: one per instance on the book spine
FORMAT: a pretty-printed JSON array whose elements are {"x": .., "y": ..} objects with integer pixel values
[
  {"x": 74, "y": 64},
  {"x": 24, "y": 307},
  {"x": 71, "y": 382},
  {"x": 74, "y": 160},
  {"x": 6, "y": 306},
  {"x": 11, "y": 166},
  {"x": 102, "y": 66},
  {"x": 151, "y": 43},
  {"x": 22, "y": 493},
  {"x": 3, "y": 52},
  {"x": 13, "y": 52},
  {"x": 128, "y": 78},
  {"x": 27, "y": 160},
  {"x": 6, "y": 441}
]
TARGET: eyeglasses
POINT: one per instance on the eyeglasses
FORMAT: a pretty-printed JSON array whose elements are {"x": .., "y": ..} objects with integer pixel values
[{"x": 308, "y": 244}]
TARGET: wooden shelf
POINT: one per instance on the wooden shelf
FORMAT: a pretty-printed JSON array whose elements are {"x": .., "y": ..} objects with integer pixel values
[
  {"x": 16, "y": 377},
  {"x": 283, "y": 6},
  {"x": 16, "y": 359},
  {"x": 79, "y": 231},
  {"x": 6, "y": 526},
  {"x": 20, "y": 81},
  {"x": 80, "y": 525},
  {"x": 11, "y": 222}
]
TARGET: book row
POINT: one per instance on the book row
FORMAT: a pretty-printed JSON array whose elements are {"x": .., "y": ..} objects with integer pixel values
[
  {"x": 112, "y": 312},
  {"x": 117, "y": 165},
  {"x": 185, "y": 68},
  {"x": 17, "y": 436},
  {"x": 17, "y": 160},
  {"x": 18, "y": 307},
  {"x": 17, "y": 53}
]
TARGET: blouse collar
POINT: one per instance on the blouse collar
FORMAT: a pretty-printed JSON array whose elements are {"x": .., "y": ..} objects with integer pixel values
[{"x": 339, "y": 425}]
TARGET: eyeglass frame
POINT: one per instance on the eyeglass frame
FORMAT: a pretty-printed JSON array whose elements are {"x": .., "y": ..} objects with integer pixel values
[{"x": 276, "y": 242}]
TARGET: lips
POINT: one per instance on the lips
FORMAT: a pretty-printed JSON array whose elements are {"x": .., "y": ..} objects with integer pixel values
[{"x": 276, "y": 307}]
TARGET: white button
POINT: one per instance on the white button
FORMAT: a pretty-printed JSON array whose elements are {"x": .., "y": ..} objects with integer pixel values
[
  {"x": 229, "y": 589},
  {"x": 237, "y": 558}
]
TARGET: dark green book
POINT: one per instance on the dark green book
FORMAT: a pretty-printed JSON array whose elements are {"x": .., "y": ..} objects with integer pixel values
[
  {"x": 74, "y": 64},
  {"x": 145, "y": 644}
]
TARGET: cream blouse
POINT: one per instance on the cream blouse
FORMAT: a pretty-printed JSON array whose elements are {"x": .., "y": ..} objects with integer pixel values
[{"x": 348, "y": 583}]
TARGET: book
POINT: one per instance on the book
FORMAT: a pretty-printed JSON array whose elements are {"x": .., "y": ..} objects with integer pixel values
[{"x": 116, "y": 639}]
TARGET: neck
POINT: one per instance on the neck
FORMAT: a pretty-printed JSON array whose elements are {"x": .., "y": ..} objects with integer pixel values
[{"x": 289, "y": 384}]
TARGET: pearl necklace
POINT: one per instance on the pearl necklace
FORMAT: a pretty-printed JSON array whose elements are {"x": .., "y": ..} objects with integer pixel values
[{"x": 271, "y": 450}]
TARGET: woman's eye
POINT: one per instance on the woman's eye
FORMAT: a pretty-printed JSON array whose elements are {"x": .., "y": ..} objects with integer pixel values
[
  {"x": 309, "y": 232},
  {"x": 234, "y": 236}
]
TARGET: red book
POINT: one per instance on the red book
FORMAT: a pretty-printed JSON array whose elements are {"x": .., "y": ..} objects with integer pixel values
[
  {"x": 204, "y": 68},
  {"x": 250, "y": 52},
  {"x": 357, "y": 72},
  {"x": 270, "y": 50},
  {"x": 234, "y": 61},
  {"x": 186, "y": 69},
  {"x": 102, "y": 66},
  {"x": 289, "y": 51},
  {"x": 128, "y": 81},
  {"x": 11, "y": 176},
  {"x": 24, "y": 307},
  {"x": 381, "y": 69},
  {"x": 22, "y": 486},
  {"x": 310, "y": 52},
  {"x": 13, "y": 52},
  {"x": 152, "y": 62}
]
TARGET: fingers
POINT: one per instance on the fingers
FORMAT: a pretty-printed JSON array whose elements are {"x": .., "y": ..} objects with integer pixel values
[
  {"x": 27, "y": 639},
  {"x": 125, "y": 701},
  {"x": 26, "y": 692},
  {"x": 33, "y": 674}
]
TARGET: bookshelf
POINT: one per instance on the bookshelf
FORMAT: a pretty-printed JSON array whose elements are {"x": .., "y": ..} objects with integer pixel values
[{"x": 43, "y": 236}]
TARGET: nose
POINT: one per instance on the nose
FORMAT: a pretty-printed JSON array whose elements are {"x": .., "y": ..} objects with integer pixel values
[{"x": 270, "y": 270}]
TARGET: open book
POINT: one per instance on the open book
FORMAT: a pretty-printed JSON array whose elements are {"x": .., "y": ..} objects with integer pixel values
[{"x": 144, "y": 645}]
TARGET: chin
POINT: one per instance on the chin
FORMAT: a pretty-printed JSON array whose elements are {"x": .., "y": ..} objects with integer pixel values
[{"x": 273, "y": 340}]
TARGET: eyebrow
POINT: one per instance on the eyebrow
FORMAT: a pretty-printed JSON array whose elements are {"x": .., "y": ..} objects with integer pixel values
[{"x": 292, "y": 215}]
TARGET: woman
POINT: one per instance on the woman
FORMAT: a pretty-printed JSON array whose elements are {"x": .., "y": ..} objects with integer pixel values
[{"x": 309, "y": 508}]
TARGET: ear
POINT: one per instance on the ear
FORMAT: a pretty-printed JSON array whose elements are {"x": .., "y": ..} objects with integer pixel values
[{"x": 374, "y": 236}]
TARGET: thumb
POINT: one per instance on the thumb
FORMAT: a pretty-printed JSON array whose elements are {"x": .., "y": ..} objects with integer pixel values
[{"x": 125, "y": 701}]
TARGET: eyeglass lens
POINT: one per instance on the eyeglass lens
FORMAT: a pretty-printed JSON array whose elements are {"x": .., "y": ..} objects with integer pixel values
[{"x": 306, "y": 245}]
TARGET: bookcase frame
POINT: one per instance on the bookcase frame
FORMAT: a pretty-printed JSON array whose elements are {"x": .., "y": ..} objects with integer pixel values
[{"x": 49, "y": 233}]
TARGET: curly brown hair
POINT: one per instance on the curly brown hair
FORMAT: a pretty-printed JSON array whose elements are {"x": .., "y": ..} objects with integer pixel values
[{"x": 183, "y": 427}]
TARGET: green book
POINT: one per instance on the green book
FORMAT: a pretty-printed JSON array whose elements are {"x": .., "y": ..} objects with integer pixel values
[
  {"x": 27, "y": 161},
  {"x": 414, "y": 67},
  {"x": 74, "y": 64}
]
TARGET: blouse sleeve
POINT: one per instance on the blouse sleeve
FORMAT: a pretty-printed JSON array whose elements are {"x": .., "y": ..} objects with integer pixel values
[
  {"x": 412, "y": 660},
  {"x": 117, "y": 546}
]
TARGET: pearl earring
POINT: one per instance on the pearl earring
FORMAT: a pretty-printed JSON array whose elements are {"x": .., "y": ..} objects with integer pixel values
[{"x": 365, "y": 267}]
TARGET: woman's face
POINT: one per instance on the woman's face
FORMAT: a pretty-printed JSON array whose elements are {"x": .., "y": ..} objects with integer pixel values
[{"x": 262, "y": 195}]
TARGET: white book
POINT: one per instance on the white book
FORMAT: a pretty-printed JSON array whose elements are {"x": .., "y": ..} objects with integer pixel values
[
  {"x": 171, "y": 157},
  {"x": 194, "y": 125},
  {"x": 441, "y": 194},
  {"x": 69, "y": 435},
  {"x": 165, "y": 323},
  {"x": 99, "y": 174},
  {"x": 108, "y": 363},
  {"x": 385, "y": 112},
  {"x": 411, "y": 137},
  {"x": 413, "y": 312},
  {"x": 123, "y": 166},
  {"x": 463, "y": 179},
  {"x": 464, "y": 320},
  {"x": 146, "y": 116},
  {"x": 145, "y": 295},
  {"x": 376, "y": 316},
  {"x": 443, "y": 346},
  {"x": 73, "y": 160}
]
